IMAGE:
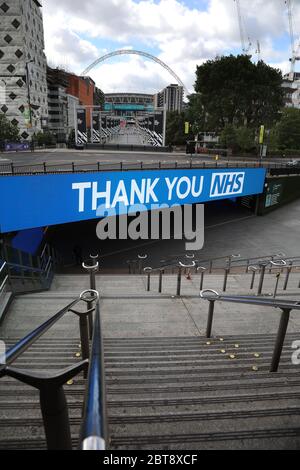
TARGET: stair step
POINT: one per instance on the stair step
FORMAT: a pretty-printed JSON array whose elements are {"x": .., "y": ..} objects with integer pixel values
[{"x": 272, "y": 439}]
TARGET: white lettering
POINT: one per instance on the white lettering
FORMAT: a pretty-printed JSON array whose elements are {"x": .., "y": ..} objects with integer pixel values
[
  {"x": 150, "y": 190},
  {"x": 81, "y": 187},
  {"x": 101, "y": 195},
  {"x": 171, "y": 186}
]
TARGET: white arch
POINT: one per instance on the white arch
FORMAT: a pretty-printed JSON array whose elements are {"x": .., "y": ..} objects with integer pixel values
[{"x": 140, "y": 53}]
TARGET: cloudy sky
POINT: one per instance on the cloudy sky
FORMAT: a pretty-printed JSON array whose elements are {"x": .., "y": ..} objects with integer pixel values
[{"x": 181, "y": 33}]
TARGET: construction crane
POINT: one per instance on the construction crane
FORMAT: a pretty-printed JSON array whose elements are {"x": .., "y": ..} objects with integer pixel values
[
  {"x": 257, "y": 51},
  {"x": 295, "y": 50},
  {"x": 245, "y": 48}
]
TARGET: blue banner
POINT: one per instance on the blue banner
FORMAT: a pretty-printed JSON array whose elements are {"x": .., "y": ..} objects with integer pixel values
[
  {"x": 16, "y": 146},
  {"x": 41, "y": 200}
]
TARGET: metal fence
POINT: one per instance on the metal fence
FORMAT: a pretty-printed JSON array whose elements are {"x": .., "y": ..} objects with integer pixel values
[{"x": 74, "y": 167}]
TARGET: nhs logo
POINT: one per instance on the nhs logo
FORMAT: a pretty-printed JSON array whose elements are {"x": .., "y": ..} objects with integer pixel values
[{"x": 227, "y": 184}]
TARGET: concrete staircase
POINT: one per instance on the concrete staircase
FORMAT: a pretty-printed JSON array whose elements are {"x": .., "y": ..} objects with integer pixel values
[
  {"x": 169, "y": 393},
  {"x": 168, "y": 387}
]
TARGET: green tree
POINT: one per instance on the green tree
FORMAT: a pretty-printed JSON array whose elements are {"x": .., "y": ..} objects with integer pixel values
[
  {"x": 245, "y": 139},
  {"x": 175, "y": 128},
  {"x": 195, "y": 113},
  {"x": 236, "y": 91},
  {"x": 8, "y": 131},
  {"x": 44, "y": 138},
  {"x": 288, "y": 129},
  {"x": 228, "y": 137}
]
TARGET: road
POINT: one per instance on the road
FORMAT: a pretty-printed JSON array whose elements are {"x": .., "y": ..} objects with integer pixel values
[
  {"x": 130, "y": 137},
  {"x": 61, "y": 156}
]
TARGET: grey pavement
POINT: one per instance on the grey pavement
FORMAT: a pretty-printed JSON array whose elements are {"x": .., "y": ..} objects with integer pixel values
[{"x": 228, "y": 229}]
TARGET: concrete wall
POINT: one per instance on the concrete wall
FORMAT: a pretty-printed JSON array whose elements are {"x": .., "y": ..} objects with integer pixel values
[{"x": 278, "y": 191}]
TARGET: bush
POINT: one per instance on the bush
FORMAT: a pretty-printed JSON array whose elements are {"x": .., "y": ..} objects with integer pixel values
[
  {"x": 8, "y": 131},
  {"x": 228, "y": 137},
  {"x": 44, "y": 138}
]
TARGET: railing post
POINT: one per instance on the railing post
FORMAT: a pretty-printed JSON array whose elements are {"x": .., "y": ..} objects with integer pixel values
[
  {"x": 210, "y": 266},
  {"x": 160, "y": 281},
  {"x": 202, "y": 270},
  {"x": 31, "y": 265},
  {"x": 247, "y": 265},
  {"x": 288, "y": 272},
  {"x": 284, "y": 321},
  {"x": 276, "y": 285},
  {"x": 21, "y": 263},
  {"x": 148, "y": 270},
  {"x": 91, "y": 266},
  {"x": 210, "y": 318},
  {"x": 56, "y": 418},
  {"x": 225, "y": 279},
  {"x": 253, "y": 269},
  {"x": 262, "y": 277},
  {"x": 140, "y": 261},
  {"x": 178, "y": 290}
]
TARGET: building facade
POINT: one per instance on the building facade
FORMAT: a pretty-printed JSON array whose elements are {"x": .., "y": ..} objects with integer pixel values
[
  {"x": 82, "y": 88},
  {"x": 171, "y": 97},
  {"x": 128, "y": 104},
  {"x": 23, "y": 67},
  {"x": 292, "y": 91}
]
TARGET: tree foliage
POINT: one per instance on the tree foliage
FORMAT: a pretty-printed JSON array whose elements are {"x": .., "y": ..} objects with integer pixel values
[
  {"x": 288, "y": 129},
  {"x": 8, "y": 131},
  {"x": 234, "y": 90},
  {"x": 175, "y": 128},
  {"x": 238, "y": 139}
]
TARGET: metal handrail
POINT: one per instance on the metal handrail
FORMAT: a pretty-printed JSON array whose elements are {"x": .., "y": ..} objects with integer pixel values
[
  {"x": 93, "y": 433},
  {"x": 5, "y": 278},
  {"x": 24, "y": 267},
  {"x": 286, "y": 306},
  {"x": 50, "y": 385},
  {"x": 93, "y": 429},
  {"x": 179, "y": 265},
  {"x": 24, "y": 343}
]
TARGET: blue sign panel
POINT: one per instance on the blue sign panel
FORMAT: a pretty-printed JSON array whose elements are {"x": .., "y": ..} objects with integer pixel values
[
  {"x": 16, "y": 146},
  {"x": 41, "y": 200}
]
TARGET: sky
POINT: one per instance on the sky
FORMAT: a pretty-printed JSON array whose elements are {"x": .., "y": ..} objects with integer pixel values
[{"x": 181, "y": 33}]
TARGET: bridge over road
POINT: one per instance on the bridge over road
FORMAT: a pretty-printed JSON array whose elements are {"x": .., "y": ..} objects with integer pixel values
[{"x": 42, "y": 196}]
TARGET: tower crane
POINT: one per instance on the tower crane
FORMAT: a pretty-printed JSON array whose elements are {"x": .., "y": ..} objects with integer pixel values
[
  {"x": 245, "y": 48},
  {"x": 295, "y": 50}
]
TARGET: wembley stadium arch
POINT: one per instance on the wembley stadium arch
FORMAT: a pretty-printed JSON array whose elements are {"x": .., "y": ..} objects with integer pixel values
[{"x": 140, "y": 53}]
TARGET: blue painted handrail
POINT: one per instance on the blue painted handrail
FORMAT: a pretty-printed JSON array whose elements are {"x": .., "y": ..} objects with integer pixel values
[{"x": 93, "y": 429}]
